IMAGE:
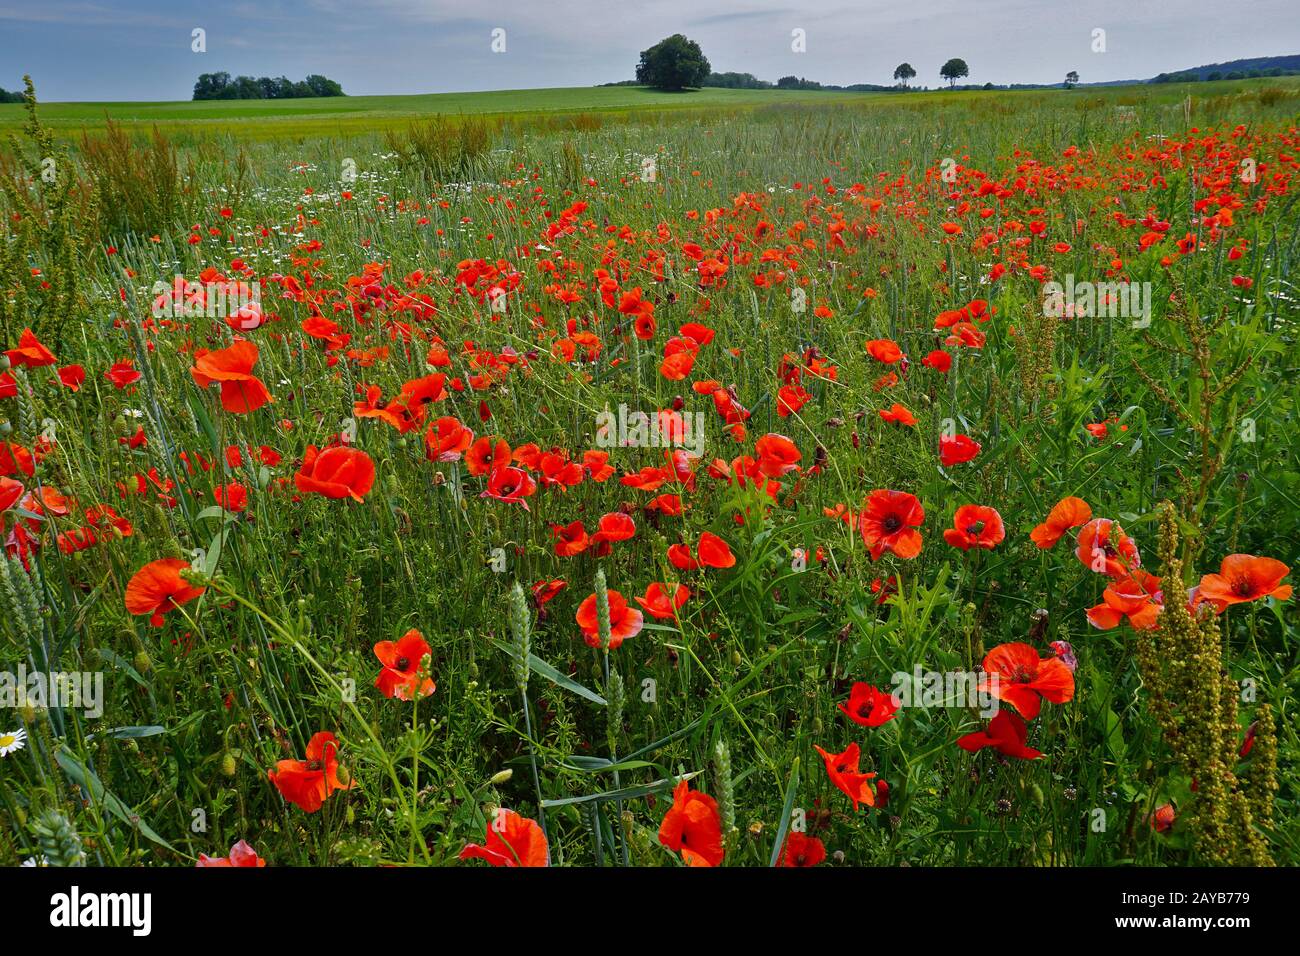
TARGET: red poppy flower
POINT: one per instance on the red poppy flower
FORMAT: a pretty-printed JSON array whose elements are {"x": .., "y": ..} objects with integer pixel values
[
  {"x": 624, "y": 622},
  {"x": 30, "y": 352},
  {"x": 158, "y": 588},
  {"x": 512, "y": 840},
  {"x": 231, "y": 497},
  {"x": 1244, "y": 577},
  {"x": 71, "y": 377},
  {"x": 957, "y": 449},
  {"x": 308, "y": 783},
  {"x": 662, "y": 601},
  {"x": 1162, "y": 821},
  {"x": 889, "y": 521},
  {"x": 869, "y": 706},
  {"x": 402, "y": 660},
  {"x": 842, "y": 768},
  {"x": 1137, "y": 598},
  {"x": 446, "y": 439},
  {"x": 802, "y": 850},
  {"x": 485, "y": 454},
  {"x": 975, "y": 526},
  {"x": 777, "y": 455},
  {"x": 898, "y": 413},
  {"x": 1103, "y": 546},
  {"x": 939, "y": 360},
  {"x": 241, "y": 854},
  {"x": 1007, "y": 732},
  {"x": 570, "y": 540},
  {"x": 123, "y": 374},
  {"x": 1016, "y": 674},
  {"x": 510, "y": 484},
  {"x": 336, "y": 472},
  {"x": 615, "y": 527},
  {"x": 692, "y": 827},
  {"x": 1066, "y": 514},
  {"x": 10, "y": 492},
  {"x": 241, "y": 390},
  {"x": 545, "y": 591},
  {"x": 714, "y": 552},
  {"x": 884, "y": 350}
]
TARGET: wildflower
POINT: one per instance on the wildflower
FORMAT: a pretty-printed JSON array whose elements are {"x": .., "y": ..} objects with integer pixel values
[
  {"x": 1244, "y": 577},
  {"x": 308, "y": 783},
  {"x": 842, "y": 768},
  {"x": 889, "y": 521},
  {"x": 336, "y": 472},
  {"x": 511, "y": 840},
  {"x": 957, "y": 449},
  {"x": 869, "y": 706},
  {"x": 241, "y": 854},
  {"x": 241, "y": 390},
  {"x": 975, "y": 526},
  {"x": 693, "y": 827},
  {"x": 1016, "y": 674},
  {"x": 158, "y": 588},
  {"x": 802, "y": 850},
  {"x": 1066, "y": 514},
  {"x": 624, "y": 622},
  {"x": 12, "y": 742},
  {"x": 1007, "y": 732},
  {"x": 402, "y": 661}
]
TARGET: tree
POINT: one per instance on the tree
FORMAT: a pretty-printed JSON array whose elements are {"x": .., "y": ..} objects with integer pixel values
[
  {"x": 211, "y": 85},
  {"x": 904, "y": 72},
  {"x": 1071, "y": 79},
  {"x": 323, "y": 86},
  {"x": 673, "y": 63},
  {"x": 954, "y": 70}
]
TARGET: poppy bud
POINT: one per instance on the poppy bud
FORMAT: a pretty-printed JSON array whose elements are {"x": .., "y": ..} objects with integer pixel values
[
  {"x": 228, "y": 766},
  {"x": 5, "y": 427},
  {"x": 142, "y": 662},
  {"x": 345, "y": 778},
  {"x": 500, "y": 777},
  {"x": 1036, "y": 792},
  {"x": 736, "y": 659}
]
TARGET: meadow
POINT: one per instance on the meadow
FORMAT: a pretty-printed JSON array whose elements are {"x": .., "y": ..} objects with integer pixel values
[{"x": 575, "y": 479}]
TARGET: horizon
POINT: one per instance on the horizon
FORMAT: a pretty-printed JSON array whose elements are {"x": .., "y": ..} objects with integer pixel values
[{"x": 405, "y": 47}]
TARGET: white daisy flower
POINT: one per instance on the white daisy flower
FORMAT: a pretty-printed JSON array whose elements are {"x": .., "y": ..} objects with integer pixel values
[
  {"x": 41, "y": 860},
  {"x": 12, "y": 742}
]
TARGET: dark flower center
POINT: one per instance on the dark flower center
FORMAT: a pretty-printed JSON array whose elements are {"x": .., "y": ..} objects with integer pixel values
[
  {"x": 403, "y": 663},
  {"x": 1243, "y": 587},
  {"x": 892, "y": 523}
]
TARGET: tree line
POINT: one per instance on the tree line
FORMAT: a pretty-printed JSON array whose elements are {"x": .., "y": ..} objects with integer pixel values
[{"x": 221, "y": 86}]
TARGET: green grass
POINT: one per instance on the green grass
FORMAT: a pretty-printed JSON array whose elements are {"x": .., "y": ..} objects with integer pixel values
[{"x": 335, "y": 116}]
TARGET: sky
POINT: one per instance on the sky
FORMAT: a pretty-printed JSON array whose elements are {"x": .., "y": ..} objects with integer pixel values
[{"x": 96, "y": 50}]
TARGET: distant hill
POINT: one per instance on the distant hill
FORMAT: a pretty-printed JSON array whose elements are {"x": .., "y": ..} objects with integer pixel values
[{"x": 1236, "y": 69}]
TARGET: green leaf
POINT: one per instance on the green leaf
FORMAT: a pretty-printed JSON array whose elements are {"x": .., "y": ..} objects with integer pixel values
[
  {"x": 627, "y": 793},
  {"x": 85, "y": 778},
  {"x": 791, "y": 789}
]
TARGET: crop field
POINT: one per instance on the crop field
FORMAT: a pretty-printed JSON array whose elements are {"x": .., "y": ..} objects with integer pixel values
[{"x": 609, "y": 478}]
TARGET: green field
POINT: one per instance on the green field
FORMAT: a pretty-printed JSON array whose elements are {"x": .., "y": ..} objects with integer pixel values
[{"x": 273, "y": 119}]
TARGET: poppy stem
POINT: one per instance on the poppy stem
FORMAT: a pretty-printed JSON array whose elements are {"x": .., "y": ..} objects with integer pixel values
[{"x": 532, "y": 760}]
